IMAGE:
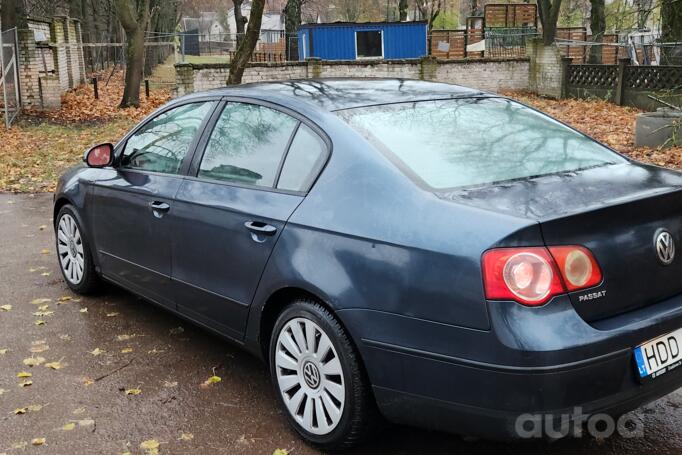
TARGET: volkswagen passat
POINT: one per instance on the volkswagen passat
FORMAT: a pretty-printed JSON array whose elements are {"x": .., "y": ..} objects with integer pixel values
[{"x": 428, "y": 253}]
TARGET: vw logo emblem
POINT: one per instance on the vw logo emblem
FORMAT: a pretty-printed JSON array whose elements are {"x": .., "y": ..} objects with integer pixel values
[
  {"x": 311, "y": 375},
  {"x": 665, "y": 247}
]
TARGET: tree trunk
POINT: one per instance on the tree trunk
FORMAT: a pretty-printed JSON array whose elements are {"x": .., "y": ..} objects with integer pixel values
[
  {"x": 240, "y": 21},
  {"x": 151, "y": 58},
  {"x": 11, "y": 12},
  {"x": 402, "y": 9},
  {"x": 549, "y": 16},
  {"x": 644, "y": 8},
  {"x": 134, "y": 17},
  {"x": 671, "y": 31},
  {"x": 134, "y": 67},
  {"x": 473, "y": 7},
  {"x": 292, "y": 20},
  {"x": 598, "y": 27},
  {"x": 429, "y": 9},
  {"x": 248, "y": 44}
]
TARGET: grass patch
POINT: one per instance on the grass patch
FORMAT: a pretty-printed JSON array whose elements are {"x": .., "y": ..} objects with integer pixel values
[
  {"x": 41, "y": 145},
  {"x": 34, "y": 153}
]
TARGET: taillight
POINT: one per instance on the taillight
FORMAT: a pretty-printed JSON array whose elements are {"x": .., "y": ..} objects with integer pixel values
[
  {"x": 532, "y": 276},
  {"x": 526, "y": 275},
  {"x": 578, "y": 266}
]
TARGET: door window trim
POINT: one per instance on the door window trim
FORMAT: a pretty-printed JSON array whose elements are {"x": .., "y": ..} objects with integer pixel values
[
  {"x": 119, "y": 149},
  {"x": 202, "y": 143}
]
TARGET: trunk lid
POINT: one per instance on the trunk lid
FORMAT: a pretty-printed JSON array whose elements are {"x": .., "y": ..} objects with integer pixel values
[{"x": 617, "y": 212}]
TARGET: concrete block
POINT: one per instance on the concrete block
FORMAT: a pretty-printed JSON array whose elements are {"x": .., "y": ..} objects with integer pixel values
[{"x": 660, "y": 128}]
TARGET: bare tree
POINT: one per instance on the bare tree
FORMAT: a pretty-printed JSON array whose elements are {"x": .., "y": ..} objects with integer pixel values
[
  {"x": 134, "y": 17},
  {"x": 430, "y": 9},
  {"x": 402, "y": 9},
  {"x": 473, "y": 7},
  {"x": 349, "y": 10},
  {"x": 671, "y": 30},
  {"x": 598, "y": 27},
  {"x": 549, "y": 16},
  {"x": 240, "y": 20},
  {"x": 292, "y": 20},
  {"x": 10, "y": 13},
  {"x": 644, "y": 10},
  {"x": 248, "y": 44}
]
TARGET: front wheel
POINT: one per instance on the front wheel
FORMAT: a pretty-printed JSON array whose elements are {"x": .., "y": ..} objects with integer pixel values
[
  {"x": 74, "y": 254},
  {"x": 318, "y": 378}
]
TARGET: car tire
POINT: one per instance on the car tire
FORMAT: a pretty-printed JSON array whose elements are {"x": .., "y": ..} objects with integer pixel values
[
  {"x": 74, "y": 254},
  {"x": 327, "y": 373}
]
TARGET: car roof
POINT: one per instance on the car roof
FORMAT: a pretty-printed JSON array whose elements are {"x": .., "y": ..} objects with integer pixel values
[{"x": 339, "y": 94}]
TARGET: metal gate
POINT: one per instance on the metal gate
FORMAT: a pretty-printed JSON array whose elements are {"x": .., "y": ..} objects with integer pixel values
[{"x": 9, "y": 78}]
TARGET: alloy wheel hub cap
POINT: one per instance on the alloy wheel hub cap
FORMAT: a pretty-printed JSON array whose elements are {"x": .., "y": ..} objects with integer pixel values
[
  {"x": 309, "y": 376},
  {"x": 70, "y": 249}
]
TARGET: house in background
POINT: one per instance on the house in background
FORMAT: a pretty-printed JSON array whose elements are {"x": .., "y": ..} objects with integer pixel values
[
  {"x": 358, "y": 41},
  {"x": 207, "y": 26},
  {"x": 273, "y": 19},
  {"x": 213, "y": 33}
]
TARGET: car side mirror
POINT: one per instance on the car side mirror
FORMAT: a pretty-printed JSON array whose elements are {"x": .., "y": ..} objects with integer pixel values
[{"x": 101, "y": 155}]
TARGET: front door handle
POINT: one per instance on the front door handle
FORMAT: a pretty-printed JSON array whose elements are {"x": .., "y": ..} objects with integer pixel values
[
  {"x": 159, "y": 208},
  {"x": 259, "y": 228}
]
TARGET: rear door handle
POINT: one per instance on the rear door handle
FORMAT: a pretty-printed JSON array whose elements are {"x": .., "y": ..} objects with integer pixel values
[
  {"x": 159, "y": 208},
  {"x": 260, "y": 228}
]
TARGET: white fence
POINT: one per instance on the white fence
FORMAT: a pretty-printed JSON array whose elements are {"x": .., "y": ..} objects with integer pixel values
[{"x": 9, "y": 78}]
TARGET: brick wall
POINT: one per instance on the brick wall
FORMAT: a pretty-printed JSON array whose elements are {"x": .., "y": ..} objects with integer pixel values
[
  {"x": 51, "y": 93},
  {"x": 58, "y": 38},
  {"x": 48, "y": 69},
  {"x": 490, "y": 75},
  {"x": 547, "y": 69},
  {"x": 29, "y": 67},
  {"x": 41, "y": 26},
  {"x": 74, "y": 52}
]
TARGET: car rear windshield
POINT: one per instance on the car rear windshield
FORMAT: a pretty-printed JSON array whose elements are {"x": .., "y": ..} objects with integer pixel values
[{"x": 464, "y": 142}]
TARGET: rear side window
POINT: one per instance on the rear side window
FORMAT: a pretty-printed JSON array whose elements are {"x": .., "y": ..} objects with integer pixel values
[
  {"x": 475, "y": 141},
  {"x": 247, "y": 145},
  {"x": 304, "y": 161}
]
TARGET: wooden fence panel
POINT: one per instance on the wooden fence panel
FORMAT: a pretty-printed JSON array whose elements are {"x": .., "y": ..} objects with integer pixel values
[{"x": 510, "y": 15}]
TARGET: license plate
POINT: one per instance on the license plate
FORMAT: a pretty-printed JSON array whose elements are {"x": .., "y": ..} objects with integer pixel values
[{"x": 659, "y": 355}]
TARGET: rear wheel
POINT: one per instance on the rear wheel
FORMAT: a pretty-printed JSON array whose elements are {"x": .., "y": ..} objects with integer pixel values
[
  {"x": 318, "y": 378},
  {"x": 74, "y": 254}
]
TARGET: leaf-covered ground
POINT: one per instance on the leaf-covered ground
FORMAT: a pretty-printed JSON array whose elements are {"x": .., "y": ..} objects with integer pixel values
[{"x": 43, "y": 144}]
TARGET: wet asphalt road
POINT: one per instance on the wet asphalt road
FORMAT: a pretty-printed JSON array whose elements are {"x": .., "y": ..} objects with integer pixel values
[{"x": 143, "y": 347}]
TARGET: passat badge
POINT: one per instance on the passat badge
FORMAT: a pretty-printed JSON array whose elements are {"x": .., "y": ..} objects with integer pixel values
[{"x": 665, "y": 247}]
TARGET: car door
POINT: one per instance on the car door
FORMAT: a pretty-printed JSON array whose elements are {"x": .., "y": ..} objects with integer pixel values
[
  {"x": 230, "y": 211},
  {"x": 131, "y": 201}
]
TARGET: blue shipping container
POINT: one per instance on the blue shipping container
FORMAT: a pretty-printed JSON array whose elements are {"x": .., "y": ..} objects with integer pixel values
[{"x": 351, "y": 41}]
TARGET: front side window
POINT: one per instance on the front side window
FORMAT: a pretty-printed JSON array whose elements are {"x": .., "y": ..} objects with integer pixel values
[
  {"x": 247, "y": 145},
  {"x": 475, "y": 141},
  {"x": 162, "y": 144},
  {"x": 369, "y": 44}
]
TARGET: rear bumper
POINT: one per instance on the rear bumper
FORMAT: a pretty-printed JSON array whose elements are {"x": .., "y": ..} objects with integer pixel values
[
  {"x": 543, "y": 363},
  {"x": 506, "y": 399}
]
